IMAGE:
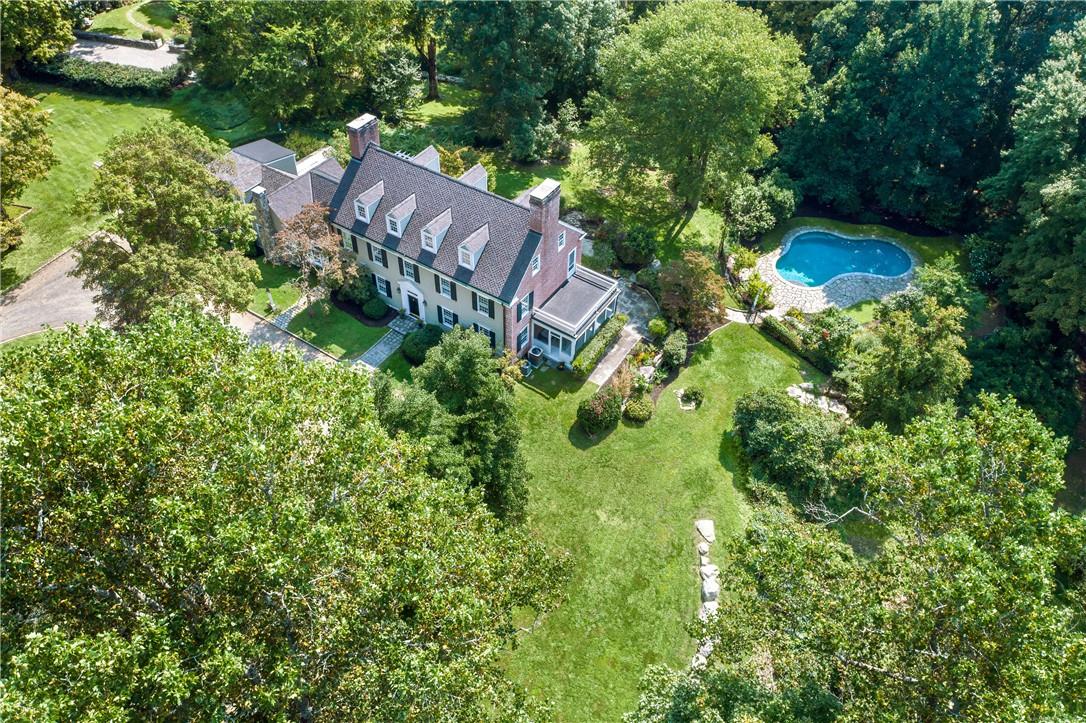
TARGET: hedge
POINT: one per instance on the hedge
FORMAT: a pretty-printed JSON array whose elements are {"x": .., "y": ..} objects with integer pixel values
[
  {"x": 417, "y": 343},
  {"x": 109, "y": 78},
  {"x": 594, "y": 350},
  {"x": 673, "y": 354},
  {"x": 783, "y": 333}
]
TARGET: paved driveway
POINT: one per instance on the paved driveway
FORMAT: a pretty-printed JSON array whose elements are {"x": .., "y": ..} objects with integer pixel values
[
  {"x": 48, "y": 298},
  {"x": 98, "y": 51}
]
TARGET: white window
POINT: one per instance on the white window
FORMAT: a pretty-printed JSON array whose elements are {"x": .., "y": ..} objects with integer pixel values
[
  {"x": 347, "y": 242},
  {"x": 428, "y": 241},
  {"x": 361, "y": 211},
  {"x": 562, "y": 240},
  {"x": 379, "y": 256},
  {"x": 525, "y": 307},
  {"x": 484, "y": 306},
  {"x": 489, "y": 334},
  {"x": 465, "y": 258},
  {"x": 446, "y": 288},
  {"x": 447, "y": 318},
  {"x": 382, "y": 285},
  {"x": 393, "y": 225},
  {"x": 535, "y": 264},
  {"x": 572, "y": 263},
  {"x": 410, "y": 270}
]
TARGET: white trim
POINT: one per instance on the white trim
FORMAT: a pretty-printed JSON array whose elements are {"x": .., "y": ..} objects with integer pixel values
[
  {"x": 443, "y": 282},
  {"x": 561, "y": 240}
]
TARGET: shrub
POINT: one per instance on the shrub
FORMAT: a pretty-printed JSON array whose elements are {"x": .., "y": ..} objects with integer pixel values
[
  {"x": 658, "y": 328},
  {"x": 594, "y": 350},
  {"x": 783, "y": 333},
  {"x": 743, "y": 259},
  {"x": 180, "y": 38},
  {"x": 693, "y": 395},
  {"x": 756, "y": 290},
  {"x": 649, "y": 278},
  {"x": 637, "y": 247},
  {"x": 109, "y": 78},
  {"x": 623, "y": 380},
  {"x": 599, "y": 412},
  {"x": 795, "y": 444},
  {"x": 374, "y": 308},
  {"x": 151, "y": 35},
  {"x": 602, "y": 258},
  {"x": 674, "y": 350},
  {"x": 417, "y": 343},
  {"x": 359, "y": 290},
  {"x": 828, "y": 338},
  {"x": 639, "y": 409}
]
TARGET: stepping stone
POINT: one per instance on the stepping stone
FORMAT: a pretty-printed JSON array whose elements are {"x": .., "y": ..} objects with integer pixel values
[
  {"x": 706, "y": 529},
  {"x": 703, "y": 548},
  {"x": 710, "y": 572},
  {"x": 710, "y": 589},
  {"x": 703, "y": 560}
]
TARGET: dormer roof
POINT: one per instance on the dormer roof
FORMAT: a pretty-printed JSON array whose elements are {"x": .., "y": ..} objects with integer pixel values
[
  {"x": 429, "y": 158},
  {"x": 403, "y": 209},
  {"x": 475, "y": 176}
]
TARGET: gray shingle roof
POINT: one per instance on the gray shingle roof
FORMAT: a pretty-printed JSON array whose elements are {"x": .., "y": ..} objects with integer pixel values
[
  {"x": 315, "y": 186},
  {"x": 508, "y": 251},
  {"x": 242, "y": 173},
  {"x": 263, "y": 151}
]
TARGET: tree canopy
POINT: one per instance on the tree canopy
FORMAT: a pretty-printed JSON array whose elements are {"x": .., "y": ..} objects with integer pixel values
[
  {"x": 197, "y": 529},
  {"x": 175, "y": 230},
  {"x": 34, "y": 30},
  {"x": 687, "y": 97},
  {"x": 26, "y": 154}
]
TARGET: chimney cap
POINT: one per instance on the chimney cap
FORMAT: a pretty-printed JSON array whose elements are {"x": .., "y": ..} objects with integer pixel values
[
  {"x": 544, "y": 190},
  {"x": 362, "y": 121}
]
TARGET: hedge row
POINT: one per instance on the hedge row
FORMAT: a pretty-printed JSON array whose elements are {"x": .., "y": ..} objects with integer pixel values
[
  {"x": 787, "y": 335},
  {"x": 594, "y": 350},
  {"x": 109, "y": 78}
]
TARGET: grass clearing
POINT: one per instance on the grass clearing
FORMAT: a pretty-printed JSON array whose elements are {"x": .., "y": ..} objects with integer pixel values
[
  {"x": 628, "y": 525},
  {"x": 24, "y": 342},
  {"x": 279, "y": 282},
  {"x": 129, "y": 21},
  {"x": 335, "y": 331}
]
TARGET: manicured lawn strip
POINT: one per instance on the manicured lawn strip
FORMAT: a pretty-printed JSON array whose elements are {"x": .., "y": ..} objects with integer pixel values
[
  {"x": 398, "y": 366},
  {"x": 628, "y": 524},
  {"x": 928, "y": 248},
  {"x": 335, "y": 331},
  {"x": 157, "y": 14},
  {"x": 279, "y": 281},
  {"x": 864, "y": 311},
  {"x": 24, "y": 342}
]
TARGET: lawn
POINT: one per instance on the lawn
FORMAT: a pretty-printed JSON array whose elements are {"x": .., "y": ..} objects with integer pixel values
[
  {"x": 278, "y": 281},
  {"x": 24, "y": 342},
  {"x": 335, "y": 331},
  {"x": 398, "y": 366},
  {"x": 130, "y": 21},
  {"x": 82, "y": 125},
  {"x": 629, "y": 525}
]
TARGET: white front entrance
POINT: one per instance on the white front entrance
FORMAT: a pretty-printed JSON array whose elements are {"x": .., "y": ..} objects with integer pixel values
[{"x": 412, "y": 301}]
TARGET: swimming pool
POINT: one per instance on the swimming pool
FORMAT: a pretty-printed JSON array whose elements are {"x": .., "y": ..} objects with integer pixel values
[{"x": 814, "y": 257}]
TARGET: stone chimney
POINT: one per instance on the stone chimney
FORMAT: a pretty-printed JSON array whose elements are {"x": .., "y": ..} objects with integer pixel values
[
  {"x": 362, "y": 131},
  {"x": 544, "y": 200}
]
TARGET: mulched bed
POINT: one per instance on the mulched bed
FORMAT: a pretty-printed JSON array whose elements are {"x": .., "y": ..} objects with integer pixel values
[{"x": 356, "y": 311}]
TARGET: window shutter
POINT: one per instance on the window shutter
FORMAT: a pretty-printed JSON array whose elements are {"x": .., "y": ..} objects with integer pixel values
[
  {"x": 531, "y": 300},
  {"x": 440, "y": 315},
  {"x": 400, "y": 262},
  {"x": 456, "y": 318},
  {"x": 369, "y": 250},
  {"x": 452, "y": 288},
  {"x": 374, "y": 279},
  {"x": 354, "y": 243},
  {"x": 474, "y": 301},
  {"x": 490, "y": 308},
  {"x": 437, "y": 283},
  {"x": 519, "y": 314},
  {"x": 417, "y": 279}
]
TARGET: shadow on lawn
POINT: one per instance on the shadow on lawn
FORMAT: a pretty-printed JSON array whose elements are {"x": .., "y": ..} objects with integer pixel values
[{"x": 580, "y": 440}]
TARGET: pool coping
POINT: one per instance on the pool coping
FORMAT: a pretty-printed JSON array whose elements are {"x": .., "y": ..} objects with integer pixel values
[{"x": 786, "y": 242}]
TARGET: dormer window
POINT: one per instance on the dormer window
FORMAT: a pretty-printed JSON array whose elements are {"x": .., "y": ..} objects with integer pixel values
[
  {"x": 397, "y": 219},
  {"x": 434, "y": 232},
  {"x": 472, "y": 248},
  {"x": 366, "y": 203}
]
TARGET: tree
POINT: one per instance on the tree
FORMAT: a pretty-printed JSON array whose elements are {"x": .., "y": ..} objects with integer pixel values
[
  {"x": 829, "y": 335},
  {"x": 424, "y": 22},
  {"x": 308, "y": 243},
  {"x": 915, "y": 361},
  {"x": 175, "y": 230},
  {"x": 26, "y": 154},
  {"x": 1039, "y": 193},
  {"x": 692, "y": 292},
  {"x": 751, "y": 208},
  {"x": 465, "y": 378},
  {"x": 34, "y": 30},
  {"x": 943, "y": 281},
  {"x": 686, "y": 98},
  {"x": 960, "y": 614},
  {"x": 193, "y": 525}
]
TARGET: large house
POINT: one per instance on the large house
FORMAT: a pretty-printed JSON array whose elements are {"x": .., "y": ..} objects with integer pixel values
[{"x": 448, "y": 252}]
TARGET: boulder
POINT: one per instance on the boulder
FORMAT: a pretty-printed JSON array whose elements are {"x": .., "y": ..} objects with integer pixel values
[
  {"x": 703, "y": 548},
  {"x": 710, "y": 572},
  {"x": 710, "y": 589},
  {"x": 703, "y": 560},
  {"x": 706, "y": 529}
]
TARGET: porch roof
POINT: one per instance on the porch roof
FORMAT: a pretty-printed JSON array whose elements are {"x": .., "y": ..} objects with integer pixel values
[{"x": 577, "y": 301}]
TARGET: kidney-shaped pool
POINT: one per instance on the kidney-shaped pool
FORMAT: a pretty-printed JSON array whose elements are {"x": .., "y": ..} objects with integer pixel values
[{"x": 815, "y": 257}]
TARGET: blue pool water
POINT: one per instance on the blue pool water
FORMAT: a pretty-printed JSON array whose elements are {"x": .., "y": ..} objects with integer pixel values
[{"x": 815, "y": 257}]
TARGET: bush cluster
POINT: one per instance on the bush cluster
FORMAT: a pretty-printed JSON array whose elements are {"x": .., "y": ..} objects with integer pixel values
[
  {"x": 658, "y": 328},
  {"x": 784, "y": 333},
  {"x": 600, "y": 412},
  {"x": 358, "y": 290},
  {"x": 649, "y": 279},
  {"x": 109, "y": 78},
  {"x": 674, "y": 350},
  {"x": 417, "y": 343},
  {"x": 594, "y": 350},
  {"x": 639, "y": 408},
  {"x": 693, "y": 395},
  {"x": 636, "y": 247},
  {"x": 151, "y": 35},
  {"x": 374, "y": 308}
]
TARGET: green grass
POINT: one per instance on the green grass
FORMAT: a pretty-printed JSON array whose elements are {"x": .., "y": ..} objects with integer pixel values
[
  {"x": 629, "y": 525},
  {"x": 24, "y": 342},
  {"x": 928, "y": 248},
  {"x": 81, "y": 126},
  {"x": 864, "y": 311},
  {"x": 398, "y": 366},
  {"x": 277, "y": 281},
  {"x": 335, "y": 331},
  {"x": 157, "y": 14}
]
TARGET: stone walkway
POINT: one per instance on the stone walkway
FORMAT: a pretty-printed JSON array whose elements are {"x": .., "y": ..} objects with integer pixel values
[
  {"x": 638, "y": 305},
  {"x": 387, "y": 345},
  {"x": 283, "y": 319},
  {"x": 627, "y": 339},
  {"x": 841, "y": 291}
]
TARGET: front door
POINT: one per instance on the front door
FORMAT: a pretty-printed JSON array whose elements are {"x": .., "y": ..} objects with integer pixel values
[{"x": 413, "y": 305}]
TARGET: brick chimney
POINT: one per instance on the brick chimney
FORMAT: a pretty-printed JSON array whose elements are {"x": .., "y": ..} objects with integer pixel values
[
  {"x": 544, "y": 200},
  {"x": 362, "y": 131}
]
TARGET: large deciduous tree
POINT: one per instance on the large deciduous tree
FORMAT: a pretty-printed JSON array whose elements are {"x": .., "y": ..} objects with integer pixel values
[
  {"x": 687, "y": 97},
  {"x": 692, "y": 292},
  {"x": 308, "y": 243},
  {"x": 175, "y": 230},
  {"x": 1039, "y": 194},
  {"x": 196, "y": 528},
  {"x": 462, "y": 373},
  {"x": 963, "y": 612},
  {"x": 34, "y": 30},
  {"x": 26, "y": 154}
]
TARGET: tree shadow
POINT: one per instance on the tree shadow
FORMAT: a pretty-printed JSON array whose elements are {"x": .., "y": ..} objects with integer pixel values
[
  {"x": 580, "y": 440},
  {"x": 550, "y": 383}
]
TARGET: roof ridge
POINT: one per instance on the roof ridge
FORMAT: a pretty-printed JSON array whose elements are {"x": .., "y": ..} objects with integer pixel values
[{"x": 390, "y": 154}]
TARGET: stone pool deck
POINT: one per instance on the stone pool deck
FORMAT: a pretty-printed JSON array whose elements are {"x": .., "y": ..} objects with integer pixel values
[{"x": 841, "y": 291}]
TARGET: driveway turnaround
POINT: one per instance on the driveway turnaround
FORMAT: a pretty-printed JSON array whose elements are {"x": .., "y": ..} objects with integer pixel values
[{"x": 98, "y": 51}]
